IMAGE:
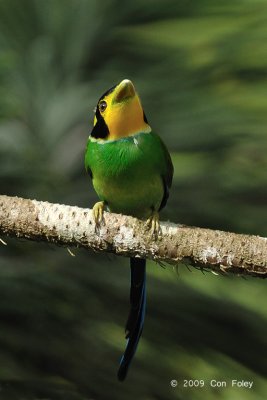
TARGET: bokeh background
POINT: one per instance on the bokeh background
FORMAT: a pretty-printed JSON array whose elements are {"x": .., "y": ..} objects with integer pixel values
[{"x": 201, "y": 70}]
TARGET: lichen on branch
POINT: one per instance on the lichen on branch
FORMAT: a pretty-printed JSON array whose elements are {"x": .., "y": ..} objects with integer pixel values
[{"x": 127, "y": 236}]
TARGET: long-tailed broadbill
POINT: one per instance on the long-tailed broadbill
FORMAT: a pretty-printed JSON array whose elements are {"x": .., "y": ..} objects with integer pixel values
[{"x": 131, "y": 171}]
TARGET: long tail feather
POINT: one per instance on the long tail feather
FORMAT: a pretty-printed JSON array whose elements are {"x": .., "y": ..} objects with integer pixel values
[{"x": 135, "y": 322}]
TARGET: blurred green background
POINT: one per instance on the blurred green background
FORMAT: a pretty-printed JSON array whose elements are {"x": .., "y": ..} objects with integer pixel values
[{"x": 201, "y": 70}]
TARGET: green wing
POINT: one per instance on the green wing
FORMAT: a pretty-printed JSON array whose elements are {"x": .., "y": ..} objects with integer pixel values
[
  {"x": 87, "y": 159},
  {"x": 166, "y": 170}
]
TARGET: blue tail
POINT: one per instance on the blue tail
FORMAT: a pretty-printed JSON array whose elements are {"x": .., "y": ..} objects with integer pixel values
[{"x": 135, "y": 322}]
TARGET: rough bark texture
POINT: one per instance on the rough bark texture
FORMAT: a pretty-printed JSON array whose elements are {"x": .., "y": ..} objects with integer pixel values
[{"x": 123, "y": 235}]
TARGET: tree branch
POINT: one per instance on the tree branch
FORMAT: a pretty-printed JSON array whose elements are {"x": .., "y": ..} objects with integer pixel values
[{"x": 123, "y": 235}]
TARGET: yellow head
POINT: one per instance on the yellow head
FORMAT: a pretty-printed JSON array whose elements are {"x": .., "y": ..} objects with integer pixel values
[{"x": 119, "y": 113}]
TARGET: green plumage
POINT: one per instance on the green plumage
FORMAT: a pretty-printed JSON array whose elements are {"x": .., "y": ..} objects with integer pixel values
[{"x": 132, "y": 175}]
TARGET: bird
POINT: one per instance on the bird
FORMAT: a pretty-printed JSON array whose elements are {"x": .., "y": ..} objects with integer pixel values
[{"x": 131, "y": 171}]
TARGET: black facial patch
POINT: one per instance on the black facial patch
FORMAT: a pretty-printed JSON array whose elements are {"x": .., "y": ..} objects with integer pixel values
[{"x": 100, "y": 130}]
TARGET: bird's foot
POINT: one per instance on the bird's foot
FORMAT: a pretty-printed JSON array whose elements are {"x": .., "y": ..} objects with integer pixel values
[
  {"x": 154, "y": 225},
  {"x": 98, "y": 213}
]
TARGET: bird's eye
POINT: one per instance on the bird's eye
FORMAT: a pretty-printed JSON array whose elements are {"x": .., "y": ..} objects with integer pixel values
[{"x": 102, "y": 106}]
